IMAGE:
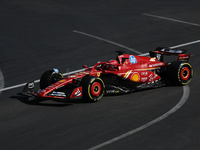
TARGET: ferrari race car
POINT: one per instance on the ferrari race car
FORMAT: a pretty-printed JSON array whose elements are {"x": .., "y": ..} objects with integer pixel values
[{"x": 126, "y": 73}]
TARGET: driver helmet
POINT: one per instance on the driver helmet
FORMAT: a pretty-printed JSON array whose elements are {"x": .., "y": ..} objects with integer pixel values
[{"x": 113, "y": 62}]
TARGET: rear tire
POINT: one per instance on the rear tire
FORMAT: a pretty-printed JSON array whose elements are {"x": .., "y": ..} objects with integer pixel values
[
  {"x": 179, "y": 73},
  {"x": 92, "y": 88},
  {"x": 49, "y": 77}
]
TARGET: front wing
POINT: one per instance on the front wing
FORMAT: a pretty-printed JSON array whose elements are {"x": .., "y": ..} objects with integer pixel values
[{"x": 30, "y": 91}]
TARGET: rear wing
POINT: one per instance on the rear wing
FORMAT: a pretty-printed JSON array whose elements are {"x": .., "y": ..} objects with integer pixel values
[{"x": 160, "y": 52}]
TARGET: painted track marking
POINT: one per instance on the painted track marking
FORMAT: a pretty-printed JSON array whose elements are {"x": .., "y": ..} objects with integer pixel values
[
  {"x": 185, "y": 44},
  {"x": 186, "y": 93},
  {"x": 177, "y": 46},
  {"x": 175, "y": 20},
  {"x": 36, "y": 81},
  {"x": 145, "y": 54},
  {"x": 184, "y": 98},
  {"x": 2, "y": 83},
  {"x": 108, "y": 41}
]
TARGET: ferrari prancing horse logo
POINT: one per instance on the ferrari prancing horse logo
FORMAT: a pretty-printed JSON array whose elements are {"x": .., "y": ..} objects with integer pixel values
[{"x": 98, "y": 74}]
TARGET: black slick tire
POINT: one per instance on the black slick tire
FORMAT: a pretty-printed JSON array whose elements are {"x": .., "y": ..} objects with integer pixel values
[
  {"x": 49, "y": 77},
  {"x": 179, "y": 73},
  {"x": 92, "y": 88}
]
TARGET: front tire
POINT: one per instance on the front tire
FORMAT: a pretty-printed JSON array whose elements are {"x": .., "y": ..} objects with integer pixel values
[
  {"x": 49, "y": 77},
  {"x": 180, "y": 73},
  {"x": 92, "y": 88}
]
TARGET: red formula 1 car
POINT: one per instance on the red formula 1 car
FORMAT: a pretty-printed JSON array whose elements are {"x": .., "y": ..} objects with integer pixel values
[{"x": 127, "y": 73}]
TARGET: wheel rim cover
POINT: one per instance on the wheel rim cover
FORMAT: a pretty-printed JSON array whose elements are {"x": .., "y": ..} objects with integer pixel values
[
  {"x": 96, "y": 89},
  {"x": 185, "y": 73}
]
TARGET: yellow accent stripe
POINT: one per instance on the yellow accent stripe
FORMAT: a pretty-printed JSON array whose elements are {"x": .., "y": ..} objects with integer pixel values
[
  {"x": 61, "y": 74},
  {"x": 147, "y": 69},
  {"x": 127, "y": 74}
]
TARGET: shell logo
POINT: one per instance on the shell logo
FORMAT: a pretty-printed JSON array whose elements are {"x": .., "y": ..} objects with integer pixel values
[{"x": 135, "y": 77}]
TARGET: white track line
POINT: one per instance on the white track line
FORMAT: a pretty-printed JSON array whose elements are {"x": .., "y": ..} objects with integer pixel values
[
  {"x": 185, "y": 44},
  {"x": 111, "y": 42},
  {"x": 177, "y": 46},
  {"x": 36, "y": 81},
  {"x": 184, "y": 98},
  {"x": 175, "y": 20},
  {"x": 145, "y": 54},
  {"x": 1, "y": 80},
  {"x": 186, "y": 93}
]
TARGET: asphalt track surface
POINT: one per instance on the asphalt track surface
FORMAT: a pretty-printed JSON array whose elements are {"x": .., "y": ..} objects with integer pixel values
[{"x": 38, "y": 35}]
